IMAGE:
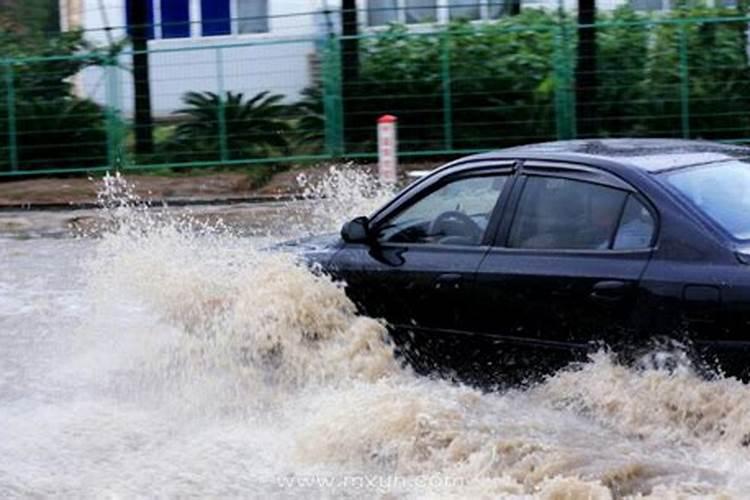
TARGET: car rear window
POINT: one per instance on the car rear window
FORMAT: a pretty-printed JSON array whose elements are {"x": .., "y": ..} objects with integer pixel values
[{"x": 721, "y": 191}]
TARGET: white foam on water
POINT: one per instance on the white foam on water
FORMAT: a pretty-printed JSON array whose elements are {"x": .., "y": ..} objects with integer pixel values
[{"x": 171, "y": 358}]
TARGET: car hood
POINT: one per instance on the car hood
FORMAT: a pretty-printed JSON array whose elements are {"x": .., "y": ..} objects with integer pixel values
[{"x": 318, "y": 249}]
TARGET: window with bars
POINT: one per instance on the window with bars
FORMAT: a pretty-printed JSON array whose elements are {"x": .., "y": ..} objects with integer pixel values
[
  {"x": 650, "y": 5},
  {"x": 420, "y": 11},
  {"x": 252, "y": 16},
  {"x": 177, "y": 18},
  {"x": 383, "y": 12}
]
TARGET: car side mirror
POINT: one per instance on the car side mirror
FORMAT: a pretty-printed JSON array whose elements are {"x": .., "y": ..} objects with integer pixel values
[{"x": 356, "y": 231}]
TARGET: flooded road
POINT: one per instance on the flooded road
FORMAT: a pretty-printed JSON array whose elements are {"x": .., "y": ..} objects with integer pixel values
[{"x": 165, "y": 355}]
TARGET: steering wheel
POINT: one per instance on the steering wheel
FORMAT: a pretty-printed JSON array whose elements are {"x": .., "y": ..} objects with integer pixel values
[{"x": 454, "y": 223}]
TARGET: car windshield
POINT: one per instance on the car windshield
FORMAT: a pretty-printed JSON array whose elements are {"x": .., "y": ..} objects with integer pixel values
[{"x": 721, "y": 190}]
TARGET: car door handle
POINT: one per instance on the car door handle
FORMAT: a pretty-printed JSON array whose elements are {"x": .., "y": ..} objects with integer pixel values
[
  {"x": 609, "y": 291},
  {"x": 448, "y": 281}
]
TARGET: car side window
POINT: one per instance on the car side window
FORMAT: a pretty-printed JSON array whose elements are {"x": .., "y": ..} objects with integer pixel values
[
  {"x": 566, "y": 214},
  {"x": 456, "y": 213},
  {"x": 637, "y": 227}
]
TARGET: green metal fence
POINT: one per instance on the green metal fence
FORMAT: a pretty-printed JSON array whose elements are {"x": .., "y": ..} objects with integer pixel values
[{"x": 463, "y": 88}]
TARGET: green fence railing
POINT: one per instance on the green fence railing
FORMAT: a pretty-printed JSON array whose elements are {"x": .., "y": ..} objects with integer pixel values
[{"x": 461, "y": 88}]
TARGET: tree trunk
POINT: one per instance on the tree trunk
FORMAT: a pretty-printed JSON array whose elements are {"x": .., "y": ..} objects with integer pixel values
[
  {"x": 743, "y": 6},
  {"x": 139, "y": 30},
  {"x": 586, "y": 80},
  {"x": 349, "y": 46},
  {"x": 514, "y": 7},
  {"x": 349, "y": 62}
]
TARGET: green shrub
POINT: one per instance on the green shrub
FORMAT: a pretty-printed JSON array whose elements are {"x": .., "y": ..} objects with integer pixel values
[
  {"x": 60, "y": 133},
  {"x": 308, "y": 118},
  {"x": 498, "y": 82},
  {"x": 53, "y": 127},
  {"x": 497, "y": 77},
  {"x": 254, "y": 127}
]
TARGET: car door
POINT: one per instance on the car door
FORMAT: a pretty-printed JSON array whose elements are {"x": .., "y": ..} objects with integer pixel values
[
  {"x": 426, "y": 250},
  {"x": 566, "y": 263}
]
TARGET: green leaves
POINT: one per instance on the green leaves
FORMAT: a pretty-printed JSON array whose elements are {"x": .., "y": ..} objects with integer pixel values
[
  {"x": 52, "y": 127},
  {"x": 60, "y": 133},
  {"x": 487, "y": 85},
  {"x": 230, "y": 126}
]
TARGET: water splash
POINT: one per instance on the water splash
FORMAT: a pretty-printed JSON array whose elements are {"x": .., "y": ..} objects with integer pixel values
[
  {"x": 343, "y": 193},
  {"x": 209, "y": 367}
]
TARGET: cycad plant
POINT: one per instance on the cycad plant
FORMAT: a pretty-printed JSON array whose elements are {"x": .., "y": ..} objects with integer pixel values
[
  {"x": 310, "y": 124},
  {"x": 64, "y": 132},
  {"x": 230, "y": 127},
  {"x": 61, "y": 133}
]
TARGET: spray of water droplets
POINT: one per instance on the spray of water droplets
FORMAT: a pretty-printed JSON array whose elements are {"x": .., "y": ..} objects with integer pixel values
[{"x": 210, "y": 367}]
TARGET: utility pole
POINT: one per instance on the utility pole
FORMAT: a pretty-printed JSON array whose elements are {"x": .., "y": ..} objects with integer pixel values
[
  {"x": 139, "y": 30},
  {"x": 350, "y": 44},
  {"x": 349, "y": 58},
  {"x": 514, "y": 7},
  {"x": 586, "y": 78}
]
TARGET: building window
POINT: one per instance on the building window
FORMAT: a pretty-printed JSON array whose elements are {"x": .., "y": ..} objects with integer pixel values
[
  {"x": 498, "y": 8},
  {"x": 175, "y": 18},
  {"x": 252, "y": 16},
  {"x": 216, "y": 18},
  {"x": 465, "y": 9},
  {"x": 421, "y": 11},
  {"x": 382, "y": 12},
  {"x": 649, "y": 5}
]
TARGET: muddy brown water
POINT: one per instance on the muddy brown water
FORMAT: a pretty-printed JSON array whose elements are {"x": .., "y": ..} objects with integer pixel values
[{"x": 162, "y": 354}]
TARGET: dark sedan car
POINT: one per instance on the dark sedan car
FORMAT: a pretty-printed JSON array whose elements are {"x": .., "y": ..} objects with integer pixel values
[{"x": 535, "y": 255}]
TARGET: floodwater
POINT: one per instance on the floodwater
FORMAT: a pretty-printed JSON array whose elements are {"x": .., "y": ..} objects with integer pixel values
[{"x": 164, "y": 355}]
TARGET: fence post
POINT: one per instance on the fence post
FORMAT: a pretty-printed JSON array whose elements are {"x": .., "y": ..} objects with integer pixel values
[
  {"x": 222, "y": 115},
  {"x": 684, "y": 83},
  {"x": 10, "y": 100},
  {"x": 387, "y": 149},
  {"x": 332, "y": 106},
  {"x": 112, "y": 98},
  {"x": 447, "y": 92},
  {"x": 564, "y": 97}
]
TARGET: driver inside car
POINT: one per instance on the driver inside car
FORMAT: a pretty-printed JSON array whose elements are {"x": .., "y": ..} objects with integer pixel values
[
  {"x": 465, "y": 224},
  {"x": 453, "y": 214}
]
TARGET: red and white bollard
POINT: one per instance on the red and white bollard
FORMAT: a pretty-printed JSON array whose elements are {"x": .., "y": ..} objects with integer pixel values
[{"x": 387, "y": 149}]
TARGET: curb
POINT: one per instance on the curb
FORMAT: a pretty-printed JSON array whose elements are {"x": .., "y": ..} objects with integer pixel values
[{"x": 169, "y": 202}]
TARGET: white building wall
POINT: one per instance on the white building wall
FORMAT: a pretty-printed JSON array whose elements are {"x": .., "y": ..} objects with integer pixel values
[{"x": 251, "y": 64}]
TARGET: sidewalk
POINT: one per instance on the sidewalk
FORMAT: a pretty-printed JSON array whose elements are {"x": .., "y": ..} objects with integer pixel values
[
  {"x": 210, "y": 188},
  {"x": 80, "y": 192}
]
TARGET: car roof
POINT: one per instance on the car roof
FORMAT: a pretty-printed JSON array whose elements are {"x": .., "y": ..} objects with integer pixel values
[{"x": 651, "y": 155}]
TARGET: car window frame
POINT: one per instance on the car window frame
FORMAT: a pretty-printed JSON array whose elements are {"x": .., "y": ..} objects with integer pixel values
[
  {"x": 576, "y": 172},
  {"x": 686, "y": 203},
  {"x": 482, "y": 169}
]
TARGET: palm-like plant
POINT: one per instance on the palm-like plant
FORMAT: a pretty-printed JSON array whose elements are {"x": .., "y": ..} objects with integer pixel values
[
  {"x": 251, "y": 128},
  {"x": 310, "y": 123},
  {"x": 57, "y": 133}
]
